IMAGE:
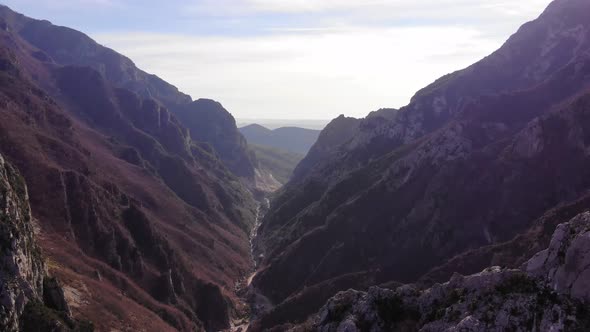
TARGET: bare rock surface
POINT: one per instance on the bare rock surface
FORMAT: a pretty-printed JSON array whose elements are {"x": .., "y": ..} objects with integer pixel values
[
  {"x": 549, "y": 293},
  {"x": 30, "y": 300},
  {"x": 22, "y": 269}
]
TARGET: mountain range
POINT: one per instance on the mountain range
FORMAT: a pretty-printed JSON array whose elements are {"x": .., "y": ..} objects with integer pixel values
[
  {"x": 145, "y": 219},
  {"x": 292, "y": 139},
  {"x": 125, "y": 205},
  {"x": 280, "y": 150},
  {"x": 442, "y": 185}
]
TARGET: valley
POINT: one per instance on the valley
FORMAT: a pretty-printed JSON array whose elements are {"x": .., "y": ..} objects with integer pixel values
[{"x": 127, "y": 205}]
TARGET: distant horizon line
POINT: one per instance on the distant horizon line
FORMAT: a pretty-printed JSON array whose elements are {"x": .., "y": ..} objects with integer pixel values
[{"x": 282, "y": 119}]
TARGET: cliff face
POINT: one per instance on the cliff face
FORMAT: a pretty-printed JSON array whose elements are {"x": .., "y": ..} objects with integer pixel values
[
  {"x": 209, "y": 122},
  {"x": 145, "y": 226},
  {"x": 30, "y": 300},
  {"x": 22, "y": 270},
  {"x": 471, "y": 162},
  {"x": 337, "y": 133},
  {"x": 548, "y": 293}
]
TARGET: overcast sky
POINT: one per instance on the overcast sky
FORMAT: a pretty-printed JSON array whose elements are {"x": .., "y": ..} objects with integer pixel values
[{"x": 295, "y": 59}]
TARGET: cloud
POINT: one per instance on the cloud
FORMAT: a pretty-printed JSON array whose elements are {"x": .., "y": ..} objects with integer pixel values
[
  {"x": 306, "y": 75},
  {"x": 66, "y": 4},
  {"x": 296, "y": 58},
  {"x": 385, "y": 8}
]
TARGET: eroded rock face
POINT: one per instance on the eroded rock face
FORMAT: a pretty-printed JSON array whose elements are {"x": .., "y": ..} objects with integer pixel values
[
  {"x": 566, "y": 263},
  {"x": 29, "y": 299},
  {"x": 548, "y": 294},
  {"x": 208, "y": 121},
  {"x": 22, "y": 269}
]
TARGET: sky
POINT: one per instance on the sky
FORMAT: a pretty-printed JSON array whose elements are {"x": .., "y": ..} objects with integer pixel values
[{"x": 295, "y": 59}]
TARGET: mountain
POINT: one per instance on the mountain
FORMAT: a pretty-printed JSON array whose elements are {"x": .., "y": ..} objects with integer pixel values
[
  {"x": 280, "y": 123},
  {"x": 209, "y": 122},
  {"x": 65, "y": 46},
  {"x": 291, "y": 139},
  {"x": 543, "y": 295},
  {"x": 279, "y": 163},
  {"x": 143, "y": 225},
  {"x": 475, "y": 160}
]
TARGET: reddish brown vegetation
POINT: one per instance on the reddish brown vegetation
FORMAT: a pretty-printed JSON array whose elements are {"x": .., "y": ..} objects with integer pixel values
[{"x": 148, "y": 226}]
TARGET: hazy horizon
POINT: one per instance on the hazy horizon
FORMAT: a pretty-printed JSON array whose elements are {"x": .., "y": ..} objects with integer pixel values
[
  {"x": 304, "y": 59},
  {"x": 281, "y": 123}
]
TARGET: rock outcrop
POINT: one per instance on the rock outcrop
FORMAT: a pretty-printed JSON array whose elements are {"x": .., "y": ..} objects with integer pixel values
[
  {"x": 565, "y": 265},
  {"x": 545, "y": 295},
  {"x": 29, "y": 299},
  {"x": 209, "y": 122},
  {"x": 22, "y": 270}
]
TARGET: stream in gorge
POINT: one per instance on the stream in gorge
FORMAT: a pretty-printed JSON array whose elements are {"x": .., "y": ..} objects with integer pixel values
[{"x": 256, "y": 301}]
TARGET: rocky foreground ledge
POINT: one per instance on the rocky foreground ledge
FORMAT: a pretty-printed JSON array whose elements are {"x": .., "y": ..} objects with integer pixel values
[{"x": 548, "y": 293}]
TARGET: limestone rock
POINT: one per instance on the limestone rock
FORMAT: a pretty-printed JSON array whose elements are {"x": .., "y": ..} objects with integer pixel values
[
  {"x": 29, "y": 299},
  {"x": 566, "y": 263},
  {"x": 22, "y": 269},
  {"x": 547, "y": 294}
]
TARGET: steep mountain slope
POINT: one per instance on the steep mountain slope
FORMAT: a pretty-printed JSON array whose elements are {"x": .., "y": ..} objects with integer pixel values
[
  {"x": 472, "y": 161},
  {"x": 64, "y": 46},
  {"x": 147, "y": 229},
  {"x": 291, "y": 139},
  {"x": 209, "y": 122},
  {"x": 30, "y": 300},
  {"x": 279, "y": 163},
  {"x": 336, "y": 133},
  {"x": 548, "y": 293}
]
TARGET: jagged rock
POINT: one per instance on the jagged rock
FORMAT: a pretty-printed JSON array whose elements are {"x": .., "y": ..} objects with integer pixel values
[
  {"x": 540, "y": 297},
  {"x": 30, "y": 301},
  {"x": 21, "y": 266},
  {"x": 565, "y": 265},
  {"x": 53, "y": 296}
]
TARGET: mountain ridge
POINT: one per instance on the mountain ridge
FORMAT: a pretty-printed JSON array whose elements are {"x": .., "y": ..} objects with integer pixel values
[
  {"x": 291, "y": 139},
  {"x": 146, "y": 227},
  {"x": 424, "y": 179},
  {"x": 65, "y": 46}
]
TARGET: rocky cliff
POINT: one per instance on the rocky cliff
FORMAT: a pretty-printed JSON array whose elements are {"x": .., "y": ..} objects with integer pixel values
[
  {"x": 30, "y": 300},
  {"x": 473, "y": 161},
  {"x": 209, "y": 122},
  {"x": 23, "y": 269},
  {"x": 549, "y": 293}
]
